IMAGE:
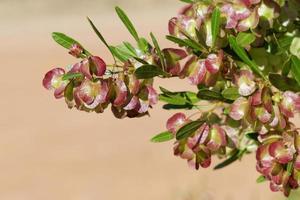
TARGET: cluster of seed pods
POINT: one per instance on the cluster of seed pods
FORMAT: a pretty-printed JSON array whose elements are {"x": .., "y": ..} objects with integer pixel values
[
  {"x": 259, "y": 107},
  {"x": 95, "y": 86}
]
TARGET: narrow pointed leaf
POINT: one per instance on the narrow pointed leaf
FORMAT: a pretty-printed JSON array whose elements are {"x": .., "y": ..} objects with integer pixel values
[
  {"x": 234, "y": 157},
  {"x": 122, "y": 15},
  {"x": 187, "y": 43},
  {"x": 296, "y": 68},
  {"x": 172, "y": 99},
  {"x": 284, "y": 83},
  {"x": 69, "y": 76},
  {"x": 67, "y": 42},
  {"x": 244, "y": 57},
  {"x": 130, "y": 48},
  {"x": 187, "y": 1},
  {"x": 215, "y": 24},
  {"x": 244, "y": 39},
  {"x": 261, "y": 179},
  {"x": 163, "y": 137},
  {"x": 179, "y": 107},
  {"x": 100, "y": 36},
  {"x": 207, "y": 94},
  {"x": 69, "y": 91},
  {"x": 118, "y": 54},
  {"x": 158, "y": 50},
  {"x": 253, "y": 136},
  {"x": 188, "y": 129},
  {"x": 149, "y": 71},
  {"x": 231, "y": 93}
]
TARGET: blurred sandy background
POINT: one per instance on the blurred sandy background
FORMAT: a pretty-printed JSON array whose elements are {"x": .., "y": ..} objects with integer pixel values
[{"x": 48, "y": 152}]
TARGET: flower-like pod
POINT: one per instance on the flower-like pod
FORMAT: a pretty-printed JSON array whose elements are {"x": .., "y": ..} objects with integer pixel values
[
  {"x": 250, "y": 22},
  {"x": 53, "y": 80},
  {"x": 239, "y": 109},
  {"x": 76, "y": 50},
  {"x": 173, "y": 57},
  {"x": 185, "y": 23},
  {"x": 213, "y": 62},
  {"x": 289, "y": 104},
  {"x": 91, "y": 94},
  {"x": 133, "y": 97},
  {"x": 217, "y": 138},
  {"x": 278, "y": 161},
  {"x": 197, "y": 149},
  {"x": 141, "y": 106},
  {"x": 250, "y": 3},
  {"x": 240, "y": 16},
  {"x": 196, "y": 71},
  {"x": 121, "y": 92},
  {"x": 92, "y": 91},
  {"x": 92, "y": 65},
  {"x": 203, "y": 71},
  {"x": 269, "y": 10},
  {"x": 175, "y": 122},
  {"x": 182, "y": 25},
  {"x": 97, "y": 65},
  {"x": 234, "y": 13},
  {"x": 245, "y": 82}
]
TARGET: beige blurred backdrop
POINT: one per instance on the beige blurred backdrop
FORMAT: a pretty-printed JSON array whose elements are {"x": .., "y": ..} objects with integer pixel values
[{"x": 48, "y": 152}]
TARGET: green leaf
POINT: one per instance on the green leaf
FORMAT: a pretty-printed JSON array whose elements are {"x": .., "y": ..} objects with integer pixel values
[
  {"x": 187, "y": 1},
  {"x": 215, "y": 24},
  {"x": 192, "y": 97},
  {"x": 69, "y": 91},
  {"x": 163, "y": 137},
  {"x": 187, "y": 43},
  {"x": 290, "y": 167},
  {"x": 123, "y": 54},
  {"x": 165, "y": 91},
  {"x": 188, "y": 129},
  {"x": 98, "y": 33},
  {"x": 231, "y": 93},
  {"x": 127, "y": 23},
  {"x": 158, "y": 50},
  {"x": 244, "y": 39},
  {"x": 285, "y": 42},
  {"x": 261, "y": 179},
  {"x": 69, "y": 76},
  {"x": 141, "y": 60},
  {"x": 67, "y": 42},
  {"x": 182, "y": 97},
  {"x": 296, "y": 68},
  {"x": 234, "y": 157},
  {"x": 244, "y": 57},
  {"x": 228, "y": 161},
  {"x": 125, "y": 51},
  {"x": 253, "y": 136},
  {"x": 130, "y": 48},
  {"x": 149, "y": 71},
  {"x": 172, "y": 99},
  {"x": 116, "y": 52},
  {"x": 178, "y": 107},
  {"x": 295, "y": 47},
  {"x": 284, "y": 83},
  {"x": 143, "y": 45},
  {"x": 101, "y": 37},
  {"x": 286, "y": 67},
  {"x": 209, "y": 95}
]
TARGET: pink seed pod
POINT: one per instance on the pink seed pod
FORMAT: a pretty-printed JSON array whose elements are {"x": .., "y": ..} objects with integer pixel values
[{"x": 76, "y": 50}]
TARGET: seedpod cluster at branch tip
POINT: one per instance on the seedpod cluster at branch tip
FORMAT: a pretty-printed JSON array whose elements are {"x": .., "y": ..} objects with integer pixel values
[{"x": 243, "y": 58}]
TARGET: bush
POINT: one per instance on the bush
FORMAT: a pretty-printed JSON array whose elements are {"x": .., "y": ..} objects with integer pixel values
[{"x": 243, "y": 56}]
